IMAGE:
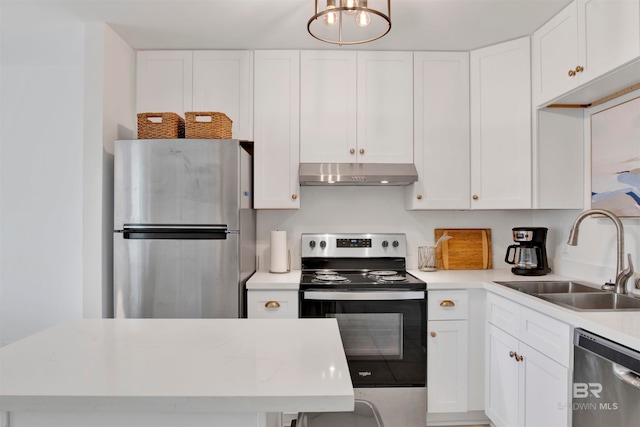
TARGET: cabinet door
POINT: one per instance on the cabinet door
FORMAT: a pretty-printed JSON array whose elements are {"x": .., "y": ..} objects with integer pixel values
[
  {"x": 222, "y": 81},
  {"x": 441, "y": 131},
  {"x": 501, "y": 126},
  {"x": 447, "y": 366},
  {"x": 164, "y": 81},
  {"x": 385, "y": 107},
  {"x": 608, "y": 35},
  {"x": 277, "y": 129},
  {"x": 545, "y": 390},
  {"x": 555, "y": 53},
  {"x": 328, "y": 107},
  {"x": 502, "y": 378}
]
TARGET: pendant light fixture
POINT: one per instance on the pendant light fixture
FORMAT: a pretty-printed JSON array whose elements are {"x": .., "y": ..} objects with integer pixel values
[{"x": 346, "y": 22}]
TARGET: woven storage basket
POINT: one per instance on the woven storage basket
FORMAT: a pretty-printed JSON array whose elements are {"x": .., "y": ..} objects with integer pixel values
[
  {"x": 170, "y": 125},
  {"x": 217, "y": 127}
]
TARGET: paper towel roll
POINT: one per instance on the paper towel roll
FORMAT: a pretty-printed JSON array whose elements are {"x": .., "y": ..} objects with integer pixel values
[{"x": 278, "y": 251}]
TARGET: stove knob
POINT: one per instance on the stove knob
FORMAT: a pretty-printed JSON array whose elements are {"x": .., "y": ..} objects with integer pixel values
[
  {"x": 312, "y": 244},
  {"x": 323, "y": 244},
  {"x": 395, "y": 244},
  {"x": 385, "y": 243}
]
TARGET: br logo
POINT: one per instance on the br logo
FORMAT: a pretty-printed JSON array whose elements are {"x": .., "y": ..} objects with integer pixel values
[{"x": 583, "y": 390}]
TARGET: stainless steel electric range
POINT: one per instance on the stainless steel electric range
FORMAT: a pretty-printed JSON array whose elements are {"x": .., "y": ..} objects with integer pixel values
[{"x": 361, "y": 280}]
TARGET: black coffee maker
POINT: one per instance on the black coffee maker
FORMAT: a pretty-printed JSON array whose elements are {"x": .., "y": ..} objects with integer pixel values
[{"x": 529, "y": 256}]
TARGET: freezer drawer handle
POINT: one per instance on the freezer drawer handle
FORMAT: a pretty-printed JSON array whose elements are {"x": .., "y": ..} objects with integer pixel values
[{"x": 179, "y": 232}]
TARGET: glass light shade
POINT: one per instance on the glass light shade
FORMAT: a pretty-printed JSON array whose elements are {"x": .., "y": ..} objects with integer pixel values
[
  {"x": 331, "y": 18},
  {"x": 350, "y": 6},
  {"x": 334, "y": 23},
  {"x": 363, "y": 19}
]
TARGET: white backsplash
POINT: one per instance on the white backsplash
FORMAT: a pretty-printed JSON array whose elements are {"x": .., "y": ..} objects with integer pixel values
[{"x": 381, "y": 209}]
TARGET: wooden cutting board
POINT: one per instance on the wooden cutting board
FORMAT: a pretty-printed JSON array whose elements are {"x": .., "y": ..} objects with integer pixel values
[{"x": 468, "y": 249}]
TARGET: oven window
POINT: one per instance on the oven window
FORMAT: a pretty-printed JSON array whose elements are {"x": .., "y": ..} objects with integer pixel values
[{"x": 371, "y": 335}]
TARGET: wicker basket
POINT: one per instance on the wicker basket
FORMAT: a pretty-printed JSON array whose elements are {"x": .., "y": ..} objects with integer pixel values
[
  {"x": 216, "y": 126},
  {"x": 169, "y": 126}
]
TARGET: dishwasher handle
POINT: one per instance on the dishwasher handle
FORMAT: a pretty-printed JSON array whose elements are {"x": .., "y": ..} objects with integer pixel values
[{"x": 626, "y": 375}]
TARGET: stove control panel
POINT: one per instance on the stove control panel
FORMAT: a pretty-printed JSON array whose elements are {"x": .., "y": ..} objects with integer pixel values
[{"x": 354, "y": 245}]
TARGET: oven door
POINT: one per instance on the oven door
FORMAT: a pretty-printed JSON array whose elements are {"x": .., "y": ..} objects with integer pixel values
[{"x": 383, "y": 333}]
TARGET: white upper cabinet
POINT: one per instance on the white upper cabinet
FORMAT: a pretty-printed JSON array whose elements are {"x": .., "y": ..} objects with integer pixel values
[
  {"x": 385, "y": 107},
  {"x": 501, "y": 126},
  {"x": 356, "y": 107},
  {"x": 441, "y": 131},
  {"x": 164, "y": 81},
  {"x": 222, "y": 81},
  {"x": 181, "y": 81},
  {"x": 608, "y": 35},
  {"x": 328, "y": 106},
  {"x": 586, "y": 40},
  {"x": 555, "y": 55},
  {"x": 277, "y": 129}
]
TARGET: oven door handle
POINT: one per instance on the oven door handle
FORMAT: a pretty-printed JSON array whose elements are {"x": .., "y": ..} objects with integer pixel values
[{"x": 363, "y": 296}]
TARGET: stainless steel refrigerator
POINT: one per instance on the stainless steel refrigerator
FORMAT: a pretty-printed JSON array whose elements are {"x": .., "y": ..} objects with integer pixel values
[{"x": 184, "y": 228}]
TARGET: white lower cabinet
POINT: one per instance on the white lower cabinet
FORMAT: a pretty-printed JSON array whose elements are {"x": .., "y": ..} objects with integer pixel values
[
  {"x": 272, "y": 304},
  {"x": 455, "y": 356},
  {"x": 447, "y": 354},
  {"x": 527, "y": 374}
]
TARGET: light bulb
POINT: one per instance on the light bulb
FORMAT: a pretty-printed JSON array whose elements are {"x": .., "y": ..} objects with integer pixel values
[
  {"x": 350, "y": 5},
  {"x": 363, "y": 19},
  {"x": 331, "y": 17}
]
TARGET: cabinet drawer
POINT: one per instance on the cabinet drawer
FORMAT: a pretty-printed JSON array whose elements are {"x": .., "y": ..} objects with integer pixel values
[
  {"x": 547, "y": 335},
  {"x": 448, "y": 305},
  {"x": 503, "y": 313},
  {"x": 272, "y": 304}
]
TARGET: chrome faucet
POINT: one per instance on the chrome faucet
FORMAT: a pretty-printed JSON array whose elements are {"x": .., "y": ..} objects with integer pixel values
[{"x": 622, "y": 274}]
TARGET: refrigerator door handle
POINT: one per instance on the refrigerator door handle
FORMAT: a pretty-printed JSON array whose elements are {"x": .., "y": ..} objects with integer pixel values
[{"x": 181, "y": 232}]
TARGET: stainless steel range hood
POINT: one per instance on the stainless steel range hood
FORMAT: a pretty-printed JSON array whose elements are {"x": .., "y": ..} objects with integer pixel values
[{"x": 357, "y": 173}]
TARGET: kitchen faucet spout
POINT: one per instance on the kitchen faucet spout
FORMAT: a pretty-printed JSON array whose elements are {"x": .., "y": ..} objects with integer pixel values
[{"x": 622, "y": 274}]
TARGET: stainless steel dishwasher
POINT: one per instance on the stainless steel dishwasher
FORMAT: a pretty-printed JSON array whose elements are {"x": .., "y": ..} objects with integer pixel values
[{"x": 606, "y": 382}]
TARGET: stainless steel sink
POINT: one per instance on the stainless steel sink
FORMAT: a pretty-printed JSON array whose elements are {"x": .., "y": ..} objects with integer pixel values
[
  {"x": 601, "y": 301},
  {"x": 557, "y": 287},
  {"x": 576, "y": 296}
]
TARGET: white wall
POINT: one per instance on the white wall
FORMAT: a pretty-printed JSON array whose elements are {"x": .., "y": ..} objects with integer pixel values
[
  {"x": 67, "y": 94},
  {"x": 41, "y": 178},
  {"x": 381, "y": 209},
  {"x": 109, "y": 115}
]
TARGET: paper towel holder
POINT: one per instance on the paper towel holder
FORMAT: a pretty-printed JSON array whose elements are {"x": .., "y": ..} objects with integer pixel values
[{"x": 288, "y": 270}]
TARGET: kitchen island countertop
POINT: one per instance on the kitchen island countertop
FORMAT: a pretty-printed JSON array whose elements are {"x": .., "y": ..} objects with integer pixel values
[{"x": 178, "y": 365}]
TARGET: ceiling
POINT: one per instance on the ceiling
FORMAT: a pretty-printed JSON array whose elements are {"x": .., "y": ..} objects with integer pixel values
[{"x": 281, "y": 24}]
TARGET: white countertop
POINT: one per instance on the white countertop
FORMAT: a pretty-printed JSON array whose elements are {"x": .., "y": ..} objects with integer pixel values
[
  {"x": 263, "y": 280},
  {"x": 622, "y": 327},
  {"x": 178, "y": 365}
]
